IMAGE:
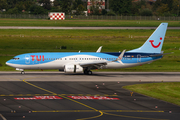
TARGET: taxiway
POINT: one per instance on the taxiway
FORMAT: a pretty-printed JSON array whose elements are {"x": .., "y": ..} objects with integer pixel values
[{"x": 54, "y": 95}]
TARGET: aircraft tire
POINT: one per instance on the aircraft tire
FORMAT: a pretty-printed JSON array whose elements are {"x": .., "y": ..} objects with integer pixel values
[
  {"x": 89, "y": 72},
  {"x": 22, "y": 72}
]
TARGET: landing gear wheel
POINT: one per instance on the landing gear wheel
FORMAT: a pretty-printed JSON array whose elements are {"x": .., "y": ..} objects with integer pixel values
[
  {"x": 22, "y": 72},
  {"x": 87, "y": 72}
]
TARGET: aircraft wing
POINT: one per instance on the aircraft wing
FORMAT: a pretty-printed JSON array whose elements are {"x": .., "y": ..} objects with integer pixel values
[
  {"x": 97, "y": 65},
  {"x": 93, "y": 65}
]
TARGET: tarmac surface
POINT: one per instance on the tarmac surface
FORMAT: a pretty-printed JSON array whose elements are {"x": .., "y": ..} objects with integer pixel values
[
  {"x": 55, "y": 95},
  {"x": 84, "y": 28}
]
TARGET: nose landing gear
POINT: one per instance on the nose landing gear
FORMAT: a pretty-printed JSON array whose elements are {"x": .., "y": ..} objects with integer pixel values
[{"x": 22, "y": 70}]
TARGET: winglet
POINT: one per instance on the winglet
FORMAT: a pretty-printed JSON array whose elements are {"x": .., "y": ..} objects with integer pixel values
[
  {"x": 121, "y": 55},
  {"x": 99, "y": 49}
]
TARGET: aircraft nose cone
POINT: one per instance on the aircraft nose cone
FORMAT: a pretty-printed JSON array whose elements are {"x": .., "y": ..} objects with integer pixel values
[{"x": 7, "y": 63}]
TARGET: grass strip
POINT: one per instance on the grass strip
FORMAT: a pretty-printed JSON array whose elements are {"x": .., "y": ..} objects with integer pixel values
[
  {"x": 86, "y": 23},
  {"x": 169, "y": 91}
]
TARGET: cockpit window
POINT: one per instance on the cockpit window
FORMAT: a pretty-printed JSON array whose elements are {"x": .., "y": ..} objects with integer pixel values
[{"x": 16, "y": 58}]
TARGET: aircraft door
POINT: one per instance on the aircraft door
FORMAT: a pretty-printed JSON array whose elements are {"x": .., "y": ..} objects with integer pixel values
[
  {"x": 138, "y": 58},
  {"x": 27, "y": 59}
]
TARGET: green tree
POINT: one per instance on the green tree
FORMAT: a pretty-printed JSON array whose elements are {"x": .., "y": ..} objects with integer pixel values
[
  {"x": 13, "y": 11},
  {"x": 169, "y": 2},
  {"x": 162, "y": 9},
  {"x": 111, "y": 13},
  {"x": 56, "y": 6},
  {"x": 104, "y": 12},
  {"x": 76, "y": 3},
  {"x": 36, "y": 9},
  {"x": 138, "y": 7},
  {"x": 66, "y": 6},
  {"x": 19, "y": 5},
  {"x": 176, "y": 7},
  {"x": 11, "y": 3},
  {"x": 80, "y": 9},
  {"x": 3, "y": 4},
  {"x": 46, "y": 4},
  {"x": 146, "y": 12},
  {"x": 57, "y": 3},
  {"x": 156, "y": 4},
  {"x": 121, "y": 7}
]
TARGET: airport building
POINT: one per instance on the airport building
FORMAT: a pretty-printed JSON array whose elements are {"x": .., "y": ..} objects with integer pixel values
[{"x": 95, "y": 3}]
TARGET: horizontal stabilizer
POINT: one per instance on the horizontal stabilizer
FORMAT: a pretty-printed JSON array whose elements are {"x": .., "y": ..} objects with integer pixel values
[{"x": 157, "y": 55}]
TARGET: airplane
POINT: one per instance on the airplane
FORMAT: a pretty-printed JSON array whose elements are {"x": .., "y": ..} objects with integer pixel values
[{"x": 79, "y": 62}]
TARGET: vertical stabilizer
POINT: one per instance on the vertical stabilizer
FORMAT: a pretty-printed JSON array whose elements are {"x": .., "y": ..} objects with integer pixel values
[{"x": 155, "y": 41}]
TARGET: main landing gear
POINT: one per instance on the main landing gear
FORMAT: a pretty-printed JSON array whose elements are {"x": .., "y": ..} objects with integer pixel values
[
  {"x": 87, "y": 72},
  {"x": 22, "y": 72}
]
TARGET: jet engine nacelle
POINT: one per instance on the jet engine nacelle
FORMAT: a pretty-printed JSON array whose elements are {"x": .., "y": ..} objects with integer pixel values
[{"x": 73, "y": 69}]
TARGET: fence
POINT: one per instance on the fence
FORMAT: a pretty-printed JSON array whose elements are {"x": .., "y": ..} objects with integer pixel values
[
  {"x": 124, "y": 17},
  {"x": 92, "y": 17},
  {"x": 24, "y": 16}
]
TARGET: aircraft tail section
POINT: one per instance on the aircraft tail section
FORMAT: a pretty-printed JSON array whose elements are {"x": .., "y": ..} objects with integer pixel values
[{"x": 155, "y": 42}]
